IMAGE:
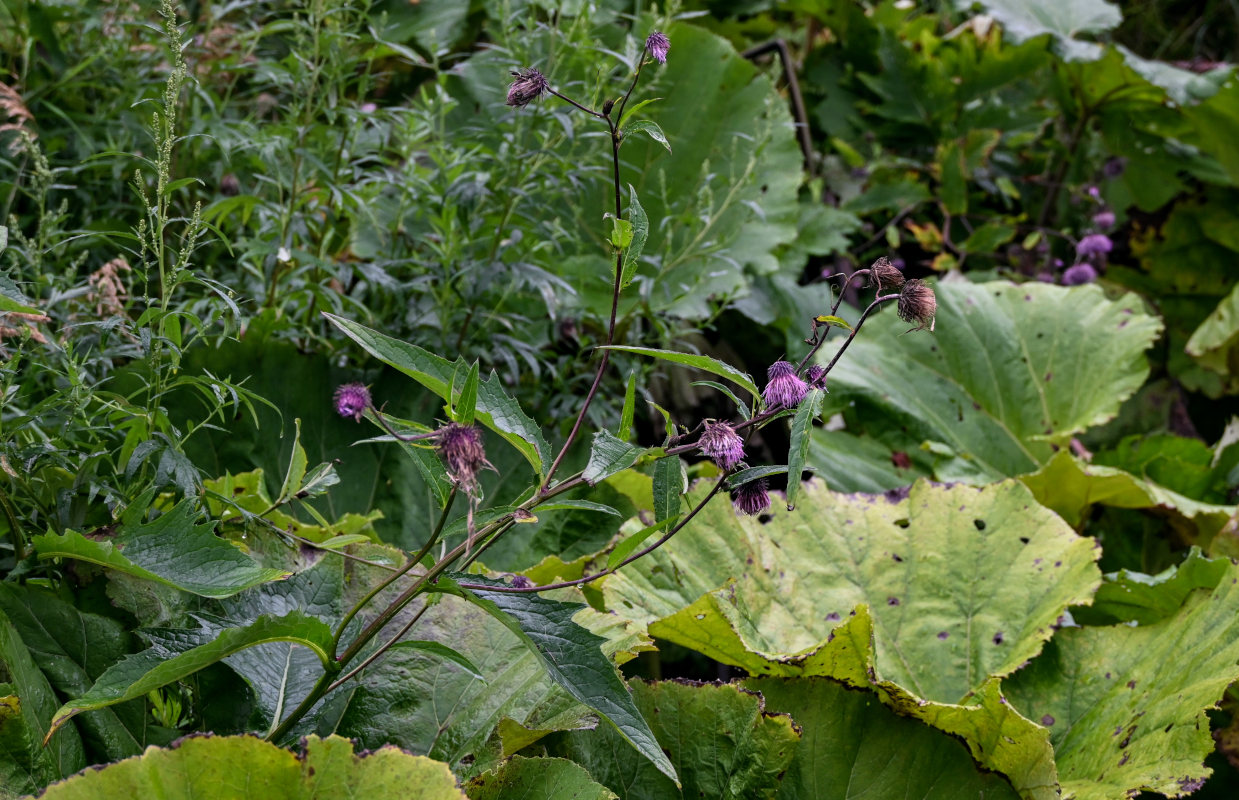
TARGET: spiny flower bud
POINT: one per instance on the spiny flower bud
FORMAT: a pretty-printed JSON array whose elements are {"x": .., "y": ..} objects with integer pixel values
[
  {"x": 722, "y": 444},
  {"x": 460, "y": 447},
  {"x": 352, "y": 400},
  {"x": 751, "y": 498},
  {"x": 917, "y": 304},
  {"x": 815, "y": 376},
  {"x": 785, "y": 389},
  {"x": 658, "y": 45},
  {"x": 886, "y": 275},
  {"x": 529, "y": 85}
]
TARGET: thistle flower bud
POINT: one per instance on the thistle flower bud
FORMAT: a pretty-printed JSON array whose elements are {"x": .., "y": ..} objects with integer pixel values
[
  {"x": 460, "y": 447},
  {"x": 917, "y": 304},
  {"x": 658, "y": 45},
  {"x": 1095, "y": 244},
  {"x": 722, "y": 444},
  {"x": 352, "y": 400},
  {"x": 886, "y": 275},
  {"x": 785, "y": 389},
  {"x": 815, "y": 376},
  {"x": 1078, "y": 274},
  {"x": 528, "y": 86},
  {"x": 751, "y": 498}
]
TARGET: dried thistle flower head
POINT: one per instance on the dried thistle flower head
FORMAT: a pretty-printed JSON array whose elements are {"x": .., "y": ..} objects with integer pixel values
[
  {"x": 527, "y": 87},
  {"x": 886, "y": 275},
  {"x": 918, "y": 305},
  {"x": 815, "y": 376},
  {"x": 751, "y": 498},
  {"x": 352, "y": 400},
  {"x": 721, "y": 444},
  {"x": 658, "y": 45},
  {"x": 785, "y": 389},
  {"x": 460, "y": 447}
]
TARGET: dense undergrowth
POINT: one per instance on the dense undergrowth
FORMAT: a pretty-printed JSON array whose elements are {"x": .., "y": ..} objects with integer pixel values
[{"x": 384, "y": 370}]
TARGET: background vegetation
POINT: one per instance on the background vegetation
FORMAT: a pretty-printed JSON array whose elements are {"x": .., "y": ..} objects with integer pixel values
[{"x": 1010, "y": 574}]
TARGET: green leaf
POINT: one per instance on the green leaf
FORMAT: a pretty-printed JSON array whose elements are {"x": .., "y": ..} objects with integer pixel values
[
  {"x": 621, "y": 233},
  {"x": 465, "y": 408},
  {"x": 608, "y": 456},
  {"x": 495, "y": 408},
  {"x": 297, "y": 463},
  {"x": 138, "y": 674},
  {"x": 798, "y": 449},
  {"x": 222, "y": 767},
  {"x": 648, "y": 127},
  {"x": 670, "y": 483},
  {"x": 721, "y": 739},
  {"x": 629, "y": 544},
  {"x": 854, "y": 746},
  {"x": 537, "y": 779},
  {"x": 572, "y": 658},
  {"x": 738, "y": 479},
  {"x": 635, "y": 107},
  {"x": 640, "y": 233},
  {"x": 1063, "y": 22},
  {"x": 65, "y": 755},
  {"x": 850, "y": 463},
  {"x": 704, "y": 363},
  {"x": 741, "y": 407},
  {"x": 1009, "y": 373},
  {"x": 1072, "y": 487},
  {"x": 954, "y": 176},
  {"x": 988, "y": 238},
  {"x": 1215, "y": 343},
  {"x": 173, "y": 549},
  {"x": 1126, "y": 705},
  {"x": 442, "y": 651},
  {"x": 1128, "y": 596},
  {"x": 23, "y": 765},
  {"x": 630, "y": 407}
]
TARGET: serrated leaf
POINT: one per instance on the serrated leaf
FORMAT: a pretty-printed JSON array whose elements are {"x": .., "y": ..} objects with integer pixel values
[
  {"x": 465, "y": 408},
  {"x": 173, "y": 549},
  {"x": 640, "y": 229},
  {"x": 1126, "y": 705},
  {"x": 444, "y": 652},
  {"x": 295, "y": 473},
  {"x": 670, "y": 483},
  {"x": 140, "y": 673},
  {"x": 210, "y": 767},
  {"x": 704, "y": 363},
  {"x": 635, "y": 107},
  {"x": 609, "y": 455},
  {"x": 801, "y": 436},
  {"x": 630, "y": 407},
  {"x": 738, "y": 479},
  {"x": 649, "y": 128},
  {"x": 572, "y": 657},
  {"x": 495, "y": 408}
]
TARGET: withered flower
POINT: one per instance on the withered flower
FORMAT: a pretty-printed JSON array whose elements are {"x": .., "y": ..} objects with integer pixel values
[
  {"x": 527, "y": 86},
  {"x": 918, "y": 305}
]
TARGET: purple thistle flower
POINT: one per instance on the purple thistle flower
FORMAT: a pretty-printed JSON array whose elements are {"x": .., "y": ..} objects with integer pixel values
[
  {"x": 1079, "y": 274},
  {"x": 528, "y": 86},
  {"x": 785, "y": 389},
  {"x": 722, "y": 444},
  {"x": 1104, "y": 219},
  {"x": 657, "y": 44},
  {"x": 1095, "y": 244},
  {"x": 352, "y": 400},
  {"x": 751, "y": 498},
  {"x": 460, "y": 447},
  {"x": 815, "y": 376}
]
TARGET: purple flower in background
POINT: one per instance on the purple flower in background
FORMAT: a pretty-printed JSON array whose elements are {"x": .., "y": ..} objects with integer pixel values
[
  {"x": 1079, "y": 274},
  {"x": 528, "y": 86},
  {"x": 1095, "y": 244},
  {"x": 785, "y": 389},
  {"x": 722, "y": 444},
  {"x": 352, "y": 400},
  {"x": 1104, "y": 219},
  {"x": 815, "y": 376},
  {"x": 1094, "y": 192},
  {"x": 751, "y": 498},
  {"x": 658, "y": 46}
]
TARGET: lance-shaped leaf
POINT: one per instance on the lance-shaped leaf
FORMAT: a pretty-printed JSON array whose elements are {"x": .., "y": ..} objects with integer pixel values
[
  {"x": 798, "y": 449},
  {"x": 704, "y": 363},
  {"x": 963, "y": 583},
  {"x": 609, "y": 455},
  {"x": 1126, "y": 705},
  {"x": 495, "y": 408},
  {"x": 640, "y": 232},
  {"x": 572, "y": 657},
  {"x": 721, "y": 739},
  {"x": 537, "y": 779},
  {"x": 174, "y": 549},
  {"x": 222, "y": 767},
  {"x": 1009, "y": 372},
  {"x": 150, "y": 669}
]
